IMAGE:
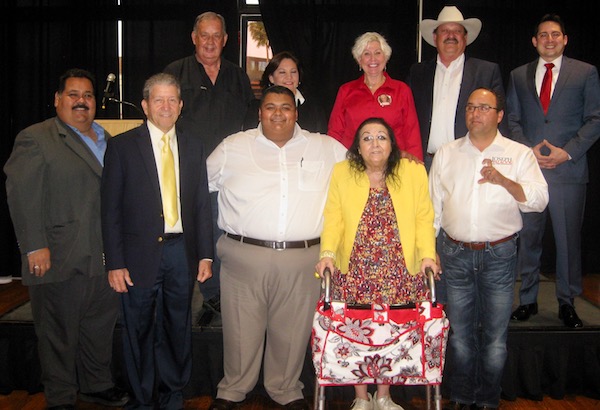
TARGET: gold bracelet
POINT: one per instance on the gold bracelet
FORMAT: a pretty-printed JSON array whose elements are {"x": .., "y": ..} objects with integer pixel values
[{"x": 327, "y": 254}]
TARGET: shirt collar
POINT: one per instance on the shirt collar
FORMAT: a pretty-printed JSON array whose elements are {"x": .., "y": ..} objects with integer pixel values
[
  {"x": 496, "y": 144},
  {"x": 299, "y": 98},
  {"x": 297, "y": 136},
  {"x": 557, "y": 63},
  {"x": 156, "y": 134},
  {"x": 457, "y": 64}
]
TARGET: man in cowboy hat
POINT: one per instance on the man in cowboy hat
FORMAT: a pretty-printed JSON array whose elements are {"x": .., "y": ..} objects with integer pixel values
[{"x": 442, "y": 86}]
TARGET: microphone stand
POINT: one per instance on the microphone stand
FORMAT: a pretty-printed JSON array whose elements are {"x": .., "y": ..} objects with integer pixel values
[{"x": 122, "y": 102}]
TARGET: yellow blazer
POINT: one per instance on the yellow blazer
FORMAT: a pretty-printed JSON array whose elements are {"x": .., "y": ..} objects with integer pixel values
[{"x": 346, "y": 200}]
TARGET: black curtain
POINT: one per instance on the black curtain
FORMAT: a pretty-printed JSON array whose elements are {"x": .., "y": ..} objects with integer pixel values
[{"x": 40, "y": 40}]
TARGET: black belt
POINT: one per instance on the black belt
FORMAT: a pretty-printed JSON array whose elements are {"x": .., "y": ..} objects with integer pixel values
[
  {"x": 171, "y": 236},
  {"x": 274, "y": 244},
  {"x": 479, "y": 246}
]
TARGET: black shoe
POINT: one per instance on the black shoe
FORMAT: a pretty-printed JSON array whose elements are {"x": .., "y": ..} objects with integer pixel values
[
  {"x": 569, "y": 316},
  {"x": 214, "y": 303},
  {"x": 205, "y": 316},
  {"x": 524, "y": 311},
  {"x": 62, "y": 407},
  {"x": 299, "y": 404},
  {"x": 222, "y": 404},
  {"x": 113, "y": 397}
]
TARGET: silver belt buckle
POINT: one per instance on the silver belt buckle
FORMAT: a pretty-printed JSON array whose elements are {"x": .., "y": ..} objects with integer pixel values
[{"x": 279, "y": 246}]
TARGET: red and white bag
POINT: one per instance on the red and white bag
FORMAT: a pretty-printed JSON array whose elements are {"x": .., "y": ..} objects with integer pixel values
[{"x": 379, "y": 345}]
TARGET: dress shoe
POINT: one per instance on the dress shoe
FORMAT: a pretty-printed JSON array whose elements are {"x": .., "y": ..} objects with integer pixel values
[
  {"x": 523, "y": 312},
  {"x": 62, "y": 407},
  {"x": 210, "y": 314},
  {"x": 113, "y": 397},
  {"x": 299, "y": 404},
  {"x": 486, "y": 408},
  {"x": 222, "y": 404},
  {"x": 569, "y": 316}
]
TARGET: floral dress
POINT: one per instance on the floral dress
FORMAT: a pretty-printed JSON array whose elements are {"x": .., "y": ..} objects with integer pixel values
[{"x": 377, "y": 270}]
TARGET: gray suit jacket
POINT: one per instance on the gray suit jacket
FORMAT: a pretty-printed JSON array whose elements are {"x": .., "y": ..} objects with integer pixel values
[
  {"x": 477, "y": 73},
  {"x": 53, "y": 191},
  {"x": 572, "y": 121}
]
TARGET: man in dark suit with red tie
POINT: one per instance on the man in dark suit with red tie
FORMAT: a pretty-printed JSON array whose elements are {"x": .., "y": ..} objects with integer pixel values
[
  {"x": 157, "y": 231},
  {"x": 554, "y": 107}
]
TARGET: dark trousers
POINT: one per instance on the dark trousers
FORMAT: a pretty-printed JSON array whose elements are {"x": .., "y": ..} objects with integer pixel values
[
  {"x": 158, "y": 332},
  {"x": 74, "y": 323}
]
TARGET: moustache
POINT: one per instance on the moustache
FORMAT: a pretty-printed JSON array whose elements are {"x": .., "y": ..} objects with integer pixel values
[
  {"x": 451, "y": 40},
  {"x": 85, "y": 107}
]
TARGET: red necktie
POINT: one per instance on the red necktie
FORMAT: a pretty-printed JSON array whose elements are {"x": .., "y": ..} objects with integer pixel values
[{"x": 546, "y": 87}]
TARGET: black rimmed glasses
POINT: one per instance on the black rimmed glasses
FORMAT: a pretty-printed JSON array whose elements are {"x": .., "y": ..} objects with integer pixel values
[{"x": 482, "y": 108}]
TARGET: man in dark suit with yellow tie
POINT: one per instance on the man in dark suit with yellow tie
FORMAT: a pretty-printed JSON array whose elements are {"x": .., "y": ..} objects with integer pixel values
[
  {"x": 554, "y": 107},
  {"x": 156, "y": 223}
]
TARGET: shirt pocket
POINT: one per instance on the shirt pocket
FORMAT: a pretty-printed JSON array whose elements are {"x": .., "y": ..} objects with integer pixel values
[{"x": 312, "y": 176}]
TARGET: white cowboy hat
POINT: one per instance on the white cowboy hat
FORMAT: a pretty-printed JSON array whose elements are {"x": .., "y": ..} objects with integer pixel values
[{"x": 450, "y": 14}]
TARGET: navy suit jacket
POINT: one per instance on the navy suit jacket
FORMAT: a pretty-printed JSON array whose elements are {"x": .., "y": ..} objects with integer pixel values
[
  {"x": 572, "y": 121},
  {"x": 477, "y": 73},
  {"x": 132, "y": 217}
]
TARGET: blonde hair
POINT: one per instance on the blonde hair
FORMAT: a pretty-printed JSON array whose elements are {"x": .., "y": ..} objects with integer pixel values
[{"x": 363, "y": 40}]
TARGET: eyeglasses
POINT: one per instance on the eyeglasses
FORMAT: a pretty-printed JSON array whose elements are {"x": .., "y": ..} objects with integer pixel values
[{"x": 482, "y": 108}]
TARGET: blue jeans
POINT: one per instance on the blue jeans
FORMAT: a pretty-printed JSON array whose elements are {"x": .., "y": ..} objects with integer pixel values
[{"x": 480, "y": 293}]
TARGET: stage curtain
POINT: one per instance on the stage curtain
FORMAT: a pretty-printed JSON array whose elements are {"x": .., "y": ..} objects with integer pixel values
[{"x": 40, "y": 40}]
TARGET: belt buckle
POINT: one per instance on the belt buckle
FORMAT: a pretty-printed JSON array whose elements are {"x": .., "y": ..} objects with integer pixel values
[{"x": 279, "y": 246}]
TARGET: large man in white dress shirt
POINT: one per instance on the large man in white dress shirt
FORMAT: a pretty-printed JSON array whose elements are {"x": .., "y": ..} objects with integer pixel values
[
  {"x": 272, "y": 183},
  {"x": 479, "y": 184}
]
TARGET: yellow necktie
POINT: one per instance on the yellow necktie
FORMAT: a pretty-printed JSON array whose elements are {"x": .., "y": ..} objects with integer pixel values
[{"x": 169, "y": 190}]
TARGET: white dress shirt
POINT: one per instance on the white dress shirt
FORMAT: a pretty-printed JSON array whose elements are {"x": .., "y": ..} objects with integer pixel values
[
  {"x": 473, "y": 212},
  {"x": 446, "y": 90},
  {"x": 157, "y": 145},
  {"x": 272, "y": 193},
  {"x": 540, "y": 71}
]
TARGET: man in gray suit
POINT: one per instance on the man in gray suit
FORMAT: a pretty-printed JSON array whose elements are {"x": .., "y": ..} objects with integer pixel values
[
  {"x": 441, "y": 87},
  {"x": 53, "y": 190},
  {"x": 554, "y": 107}
]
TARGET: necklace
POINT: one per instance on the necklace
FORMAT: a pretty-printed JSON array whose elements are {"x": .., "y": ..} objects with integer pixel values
[{"x": 375, "y": 85}]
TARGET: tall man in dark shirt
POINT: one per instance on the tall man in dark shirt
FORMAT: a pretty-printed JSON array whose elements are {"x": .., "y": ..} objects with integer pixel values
[{"x": 216, "y": 94}]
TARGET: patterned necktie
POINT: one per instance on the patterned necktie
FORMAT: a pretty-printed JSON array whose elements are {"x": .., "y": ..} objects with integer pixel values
[
  {"x": 169, "y": 189},
  {"x": 546, "y": 87}
]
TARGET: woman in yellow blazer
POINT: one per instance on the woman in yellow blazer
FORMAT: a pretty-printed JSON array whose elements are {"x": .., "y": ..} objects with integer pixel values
[{"x": 378, "y": 234}]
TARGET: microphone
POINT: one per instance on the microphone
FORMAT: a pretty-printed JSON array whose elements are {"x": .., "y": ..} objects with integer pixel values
[{"x": 110, "y": 80}]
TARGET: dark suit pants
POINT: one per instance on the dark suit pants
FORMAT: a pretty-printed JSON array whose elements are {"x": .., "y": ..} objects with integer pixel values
[
  {"x": 158, "y": 332},
  {"x": 566, "y": 208},
  {"x": 74, "y": 322}
]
